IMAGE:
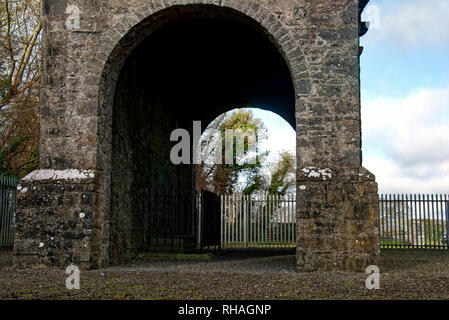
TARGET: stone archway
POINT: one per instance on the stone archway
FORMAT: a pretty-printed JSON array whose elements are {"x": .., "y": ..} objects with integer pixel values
[
  {"x": 197, "y": 61},
  {"x": 82, "y": 64}
]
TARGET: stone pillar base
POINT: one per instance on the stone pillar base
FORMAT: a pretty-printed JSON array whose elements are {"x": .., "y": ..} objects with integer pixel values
[
  {"x": 337, "y": 214},
  {"x": 54, "y": 219}
]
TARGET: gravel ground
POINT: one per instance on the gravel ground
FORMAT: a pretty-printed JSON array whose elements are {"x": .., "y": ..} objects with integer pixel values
[{"x": 406, "y": 274}]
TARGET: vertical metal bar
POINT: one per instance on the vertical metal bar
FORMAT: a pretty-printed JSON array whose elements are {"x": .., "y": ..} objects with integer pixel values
[
  {"x": 272, "y": 220},
  {"x": 225, "y": 221},
  {"x": 284, "y": 220},
  {"x": 221, "y": 222},
  {"x": 440, "y": 212},
  {"x": 390, "y": 216},
  {"x": 259, "y": 216},
  {"x": 200, "y": 218},
  {"x": 422, "y": 219},
  {"x": 228, "y": 221},
  {"x": 385, "y": 218},
  {"x": 397, "y": 211},
  {"x": 251, "y": 219},
  {"x": 240, "y": 209},
  {"x": 288, "y": 219},
  {"x": 237, "y": 211},
  {"x": 276, "y": 235},
  {"x": 422, "y": 230},
  {"x": 264, "y": 230},
  {"x": 245, "y": 222},
  {"x": 292, "y": 219},
  {"x": 230, "y": 217},
  {"x": 428, "y": 221},
  {"x": 382, "y": 218},
  {"x": 409, "y": 226},
  {"x": 436, "y": 213},
  {"x": 237, "y": 205},
  {"x": 231, "y": 220},
  {"x": 395, "y": 219},
  {"x": 404, "y": 230},
  {"x": 277, "y": 220},
  {"x": 242, "y": 222},
  {"x": 13, "y": 210},
  {"x": 263, "y": 220},
  {"x": 235, "y": 218},
  {"x": 425, "y": 220},
  {"x": 432, "y": 205},
  {"x": 415, "y": 212},
  {"x": 382, "y": 221},
  {"x": 268, "y": 219},
  {"x": 250, "y": 230},
  {"x": 401, "y": 221},
  {"x": 446, "y": 216},
  {"x": 236, "y": 223}
]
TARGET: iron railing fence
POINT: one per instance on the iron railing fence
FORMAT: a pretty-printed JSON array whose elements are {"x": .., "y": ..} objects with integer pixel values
[
  {"x": 258, "y": 221},
  {"x": 267, "y": 221},
  {"x": 8, "y": 187},
  {"x": 414, "y": 221}
]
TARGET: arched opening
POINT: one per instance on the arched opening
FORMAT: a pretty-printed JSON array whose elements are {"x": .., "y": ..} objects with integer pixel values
[
  {"x": 206, "y": 61},
  {"x": 257, "y": 203}
]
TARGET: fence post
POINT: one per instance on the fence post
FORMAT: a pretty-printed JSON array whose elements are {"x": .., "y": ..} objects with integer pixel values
[{"x": 245, "y": 224}]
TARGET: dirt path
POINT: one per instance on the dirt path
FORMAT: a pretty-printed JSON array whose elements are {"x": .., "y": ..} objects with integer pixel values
[{"x": 405, "y": 275}]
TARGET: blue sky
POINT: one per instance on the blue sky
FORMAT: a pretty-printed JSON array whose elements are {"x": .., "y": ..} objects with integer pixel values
[{"x": 405, "y": 97}]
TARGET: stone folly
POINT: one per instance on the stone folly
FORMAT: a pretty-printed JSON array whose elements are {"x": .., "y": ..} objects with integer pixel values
[{"x": 119, "y": 76}]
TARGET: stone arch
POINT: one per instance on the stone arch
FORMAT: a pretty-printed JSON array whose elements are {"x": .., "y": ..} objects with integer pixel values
[
  {"x": 337, "y": 197},
  {"x": 123, "y": 37}
]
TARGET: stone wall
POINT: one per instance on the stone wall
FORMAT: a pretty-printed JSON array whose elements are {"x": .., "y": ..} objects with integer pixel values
[
  {"x": 319, "y": 42},
  {"x": 54, "y": 221}
]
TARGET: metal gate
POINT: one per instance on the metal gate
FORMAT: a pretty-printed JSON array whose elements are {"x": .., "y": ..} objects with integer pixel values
[
  {"x": 258, "y": 221},
  {"x": 171, "y": 221},
  {"x": 7, "y": 211},
  {"x": 210, "y": 219}
]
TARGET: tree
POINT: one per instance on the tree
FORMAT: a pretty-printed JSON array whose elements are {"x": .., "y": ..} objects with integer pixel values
[
  {"x": 20, "y": 28},
  {"x": 283, "y": 178},
  {"x": 244, "y": 174}
]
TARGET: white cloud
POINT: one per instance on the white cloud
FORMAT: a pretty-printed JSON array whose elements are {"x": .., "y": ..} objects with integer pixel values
[
  {"x": 406, "y": 141},
  {"x": 410, "y": 24}
]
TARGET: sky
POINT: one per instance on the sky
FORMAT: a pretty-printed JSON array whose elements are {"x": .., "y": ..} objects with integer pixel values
[{"x": 405, "y": 97}]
